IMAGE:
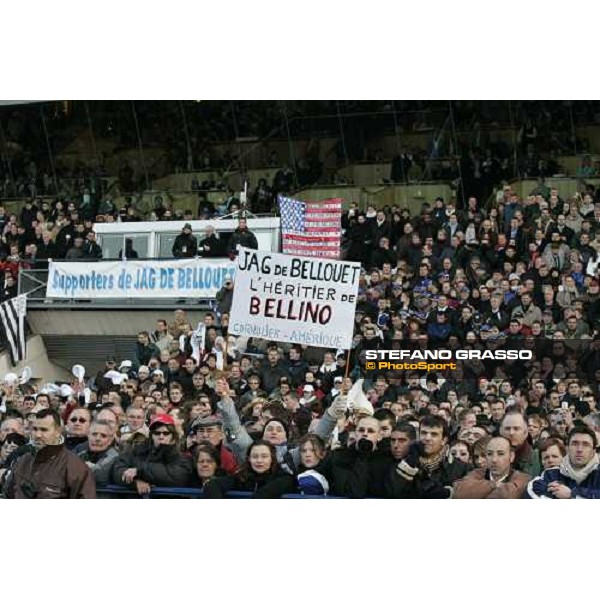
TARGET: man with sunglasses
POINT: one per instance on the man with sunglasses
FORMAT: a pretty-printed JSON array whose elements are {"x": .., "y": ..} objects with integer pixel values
[
  {"x": 77, "y": 428},
  {"x": 50, "y": 471},
  {"x": 359, "y": 470}
]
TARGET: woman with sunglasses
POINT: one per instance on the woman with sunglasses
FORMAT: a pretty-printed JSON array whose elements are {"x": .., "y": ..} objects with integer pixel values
[
  {"x": 260, "y": 475},
  {"x": 157, "y": 462}
]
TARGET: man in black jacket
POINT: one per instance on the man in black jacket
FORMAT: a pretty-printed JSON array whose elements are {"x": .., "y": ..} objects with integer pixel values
[
  {"x": 272, "y": 371},
  {"x": 383, "y": 254},
  {"x": 496, "y": 316},
  {"x": 91, "y": 248},
  {"x": 46, "y": 248},
  {"x": 381, "y": 228},
  {"x": 211, "y": 246},
  {"x": 427, "y": 471},
  {"x": 359, "y": 470},
  {"x": 144, "y": 349},
  {"x": 296, "y": 365},
  {"x": 242, "y": 236},
  {"x": 185, "y": 244}
]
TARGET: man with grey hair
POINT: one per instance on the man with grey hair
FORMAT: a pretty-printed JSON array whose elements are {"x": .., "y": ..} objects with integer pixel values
[
  {"x": 100, "y": 452},
  {"x": 13, "y": 424},
  {"x": 514, "y": 427},
  {"x": 211, "y": 246}
]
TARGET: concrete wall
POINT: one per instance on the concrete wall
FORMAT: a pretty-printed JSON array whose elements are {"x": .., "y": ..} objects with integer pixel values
[
  {"x": 101, "y": 322},
  {"x": 37, "y": 359}
]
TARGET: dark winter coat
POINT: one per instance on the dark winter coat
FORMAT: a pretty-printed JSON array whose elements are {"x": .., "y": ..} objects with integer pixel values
[
  {"x": 48, "y": 473},
  {"x": 268, "y": 485},
  {"x": 435, "y": 485},
  {"x": 589, "y": 488},
  {"x": 163, "y": 465},
  {"x": 216, "y": 247},
  {"x": 185, "y": 246},
  {"x": 358, "y": 475},
  {"x": 242, "y": 237}
]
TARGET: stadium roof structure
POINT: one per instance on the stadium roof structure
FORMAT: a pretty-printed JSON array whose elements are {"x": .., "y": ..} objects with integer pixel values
[{"x": 13, "y": 102}]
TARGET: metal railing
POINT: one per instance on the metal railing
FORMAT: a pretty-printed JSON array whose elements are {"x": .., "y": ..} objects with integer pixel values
[{"x": 118, "y": 491}]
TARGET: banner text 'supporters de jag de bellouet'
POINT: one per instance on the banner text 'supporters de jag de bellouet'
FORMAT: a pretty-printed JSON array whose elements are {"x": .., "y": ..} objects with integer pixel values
[
  {"x": 186, "y": 278},
  {"x": 294, "y": 299}
]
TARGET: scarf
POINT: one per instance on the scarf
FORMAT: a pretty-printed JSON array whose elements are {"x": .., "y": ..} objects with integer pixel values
[
  {"x": 284, "y": 459},
  {"x": 578, "y": 475},
  {"x": 432, "y": 463}
]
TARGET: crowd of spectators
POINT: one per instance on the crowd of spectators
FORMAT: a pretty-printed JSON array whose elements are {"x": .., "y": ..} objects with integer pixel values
[
  {"x": 44, "y": 231},
  {"x": 240, "y": 414},
  {"x": 50, "y": 230}
]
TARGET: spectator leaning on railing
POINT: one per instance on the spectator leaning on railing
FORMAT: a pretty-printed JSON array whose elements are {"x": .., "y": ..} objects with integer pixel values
[{"x": 185, "y": 244}]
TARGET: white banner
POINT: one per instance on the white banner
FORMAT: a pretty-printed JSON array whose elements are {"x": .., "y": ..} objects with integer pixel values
[
  {"x": 187, "y": 278},
  {"x": 294, "y": 299}
]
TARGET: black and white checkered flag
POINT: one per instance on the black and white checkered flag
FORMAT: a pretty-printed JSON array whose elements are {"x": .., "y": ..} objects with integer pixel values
[{"x": 12, "y": 326}]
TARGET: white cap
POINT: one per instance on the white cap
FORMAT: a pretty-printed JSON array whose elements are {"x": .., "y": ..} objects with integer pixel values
[
  {"x": 115, "y": 377},
  {"x": 50, "y": 388},
  {"x": 11, "y": 379},
  {"x": 66, "y": 390}
]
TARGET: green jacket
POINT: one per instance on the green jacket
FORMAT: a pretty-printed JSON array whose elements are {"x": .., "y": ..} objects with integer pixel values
[{"x": 527, "y": 460}]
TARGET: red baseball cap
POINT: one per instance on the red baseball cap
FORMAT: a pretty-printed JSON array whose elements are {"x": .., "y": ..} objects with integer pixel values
[{"x": 162, "y": 420}]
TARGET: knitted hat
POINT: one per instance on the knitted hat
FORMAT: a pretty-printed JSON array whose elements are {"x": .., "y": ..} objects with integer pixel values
[{"x": 312, "y": 483}]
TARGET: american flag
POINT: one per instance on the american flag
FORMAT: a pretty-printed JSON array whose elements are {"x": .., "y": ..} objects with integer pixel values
[{"x": 311, "y": 228}]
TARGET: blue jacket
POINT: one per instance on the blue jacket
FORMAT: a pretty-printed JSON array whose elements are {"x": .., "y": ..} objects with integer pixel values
[{"x": 589, "y": 488}]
